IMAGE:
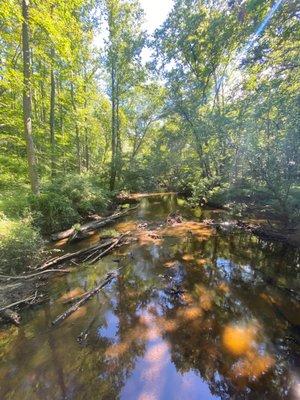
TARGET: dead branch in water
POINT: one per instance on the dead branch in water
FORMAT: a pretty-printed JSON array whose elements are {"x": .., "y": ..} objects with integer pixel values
[
  {"x": 16, "y": 303},
  {"x": 103, "y": 253},
  {"x": 109, "y": 277},
  {"x": 85, "y": 229},
  {"x": 85, "y": 254},
  {"x": 77, "y": 254},
  {"x": 20, "y": 277}
]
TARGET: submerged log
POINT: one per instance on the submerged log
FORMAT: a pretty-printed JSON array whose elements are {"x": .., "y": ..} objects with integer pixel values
[
  {"x": 85, "y": 230},
  {"x": 109, "y": 277}
]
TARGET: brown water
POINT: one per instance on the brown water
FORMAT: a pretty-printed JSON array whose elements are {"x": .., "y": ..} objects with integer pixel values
[{"x": 194, "y": 314}]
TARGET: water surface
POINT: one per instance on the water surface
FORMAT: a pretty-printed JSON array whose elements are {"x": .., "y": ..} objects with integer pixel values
[{"x": 194, "y": 314}]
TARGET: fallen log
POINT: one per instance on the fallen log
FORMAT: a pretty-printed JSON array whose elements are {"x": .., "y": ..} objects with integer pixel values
[
  {"x": 109, "y": 277},
  {"x": 84, "y": 230},
  {"x": 69, "y": 256},
  {"x": 85, "y": 254}
]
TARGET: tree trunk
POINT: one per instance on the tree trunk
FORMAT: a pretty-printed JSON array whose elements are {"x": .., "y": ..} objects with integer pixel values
[
  {"x": 118, "y": 138},
  {"x": 87, "y": 151},
  {"x": 42, "y": 92},
  {"x": 78, "y": 149},
  {"x": 52, "y": 117},
  {"x": 32, "y": 165},
  {"x": 113, "y": 132},
  {"x": 86, "y": 132},
  {"x": 77, "y": 138}
]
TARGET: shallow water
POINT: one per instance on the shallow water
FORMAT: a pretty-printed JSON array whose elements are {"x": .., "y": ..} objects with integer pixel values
[{"x": 194, "y": 314}]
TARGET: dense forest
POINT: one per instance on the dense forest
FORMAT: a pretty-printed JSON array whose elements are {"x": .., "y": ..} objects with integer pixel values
[
  {"x": 212, "y": 112},
  {"x": 155, "y": 175}
]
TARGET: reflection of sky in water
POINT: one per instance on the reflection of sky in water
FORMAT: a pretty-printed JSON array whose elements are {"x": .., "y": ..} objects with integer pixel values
[
  {"x": 228, "y": 269},
  {"x": 225, "y": 267},
  {"x": 109, "y": 331},
  {"x": 154, "y": 251},
  {"x": 155, "y": 378},
  {"x": 140, "y": 350}
]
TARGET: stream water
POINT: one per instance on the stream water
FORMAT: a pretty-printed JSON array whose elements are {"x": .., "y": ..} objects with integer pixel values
[{"x": 194, "y": 314}]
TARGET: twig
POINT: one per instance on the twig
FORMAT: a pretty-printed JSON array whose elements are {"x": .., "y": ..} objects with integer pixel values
[
  {"x": 104, "y": 252},
  {"x": 27, "y": 299},
  {"x": 9, "y": 277}
]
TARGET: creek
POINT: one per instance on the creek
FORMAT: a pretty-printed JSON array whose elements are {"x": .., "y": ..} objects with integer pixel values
[{"x": 195, "y": 313}]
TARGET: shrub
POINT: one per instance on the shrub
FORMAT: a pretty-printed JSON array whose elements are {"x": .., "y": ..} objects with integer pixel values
[
  {"x": 53, "y": 211},
  {"x": 20, "y": 245},
  {"x": 65, "y": 201}
]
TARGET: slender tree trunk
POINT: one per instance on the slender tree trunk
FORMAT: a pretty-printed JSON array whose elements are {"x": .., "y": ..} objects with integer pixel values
[
  {"x": 77, "y": 137},
  {"x": 118, "y": 138},
  {"x": 78, "y": 149},
  {"x": 86, "y": 133},
  {"x": 42, "y": 92},
  {"x": 52, "y": 116},
  {"x": 113, "y": 132},
  {"x": 61, "y": 116},
  {"x": 87, "y": 151},
  {"x": 32, "y": 165}
]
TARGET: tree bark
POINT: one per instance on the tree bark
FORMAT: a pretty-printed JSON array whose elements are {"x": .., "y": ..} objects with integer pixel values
[
  {"x": 27, "y": 106},
  {"x": 77, "y": 137},
  {"x": 113, "y": 132},
  {"x": 52, "y": 117}
]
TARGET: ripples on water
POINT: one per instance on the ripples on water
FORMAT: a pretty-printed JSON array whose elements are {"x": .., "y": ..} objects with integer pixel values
[{"x": 195, "y": 314}]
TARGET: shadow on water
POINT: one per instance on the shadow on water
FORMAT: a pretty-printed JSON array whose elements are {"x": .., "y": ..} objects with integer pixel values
[{"x": 195, "y": 314}]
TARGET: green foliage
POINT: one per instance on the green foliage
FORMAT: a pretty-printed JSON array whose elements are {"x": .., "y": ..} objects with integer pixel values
[
  {"x": 20, "y": 245},
  {"x": 14, "y": 202},
  {"x": 67, "y": 200},
  {"x": 203, "y": 118}
]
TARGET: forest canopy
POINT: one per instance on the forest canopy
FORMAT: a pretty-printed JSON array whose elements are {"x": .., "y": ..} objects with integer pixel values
[{"x": 213, "y": 112}]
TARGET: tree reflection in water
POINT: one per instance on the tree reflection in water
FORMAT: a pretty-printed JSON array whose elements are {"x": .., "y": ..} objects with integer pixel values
[{"x": 194, "y": 314}]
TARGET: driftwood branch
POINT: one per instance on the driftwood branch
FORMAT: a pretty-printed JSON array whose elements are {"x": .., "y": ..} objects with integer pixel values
[
  {"x": 86, "y": 229},
  {"x": 109, "y": 277}
]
